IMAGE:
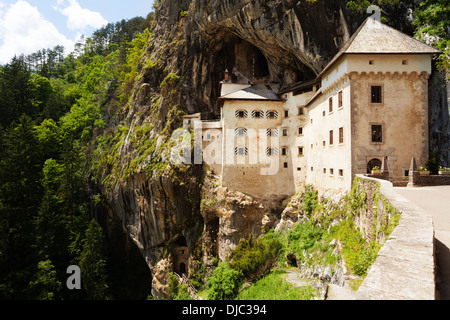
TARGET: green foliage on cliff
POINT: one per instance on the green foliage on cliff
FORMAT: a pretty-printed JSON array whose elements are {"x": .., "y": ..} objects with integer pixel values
[
  {"x": 432, "y": 25},
  {"x": 253, "y": 254}
]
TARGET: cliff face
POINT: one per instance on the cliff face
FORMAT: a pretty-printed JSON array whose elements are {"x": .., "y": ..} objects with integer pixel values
[{"x": 192, "y": 44}]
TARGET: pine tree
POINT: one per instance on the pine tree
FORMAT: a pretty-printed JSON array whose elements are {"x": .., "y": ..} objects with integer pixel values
[
  {"x": 20, "y": 195},
  {"x": 93, "y": 264},
  {"x": 15, "y": 91}
]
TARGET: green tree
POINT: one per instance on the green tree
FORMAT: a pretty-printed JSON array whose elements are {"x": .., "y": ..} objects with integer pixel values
[
  {"x": 93, "y": 263},
  {"x": 20, "y": 195},
  {"x": 51, "y": 222},
  {"x": 432, "y": 22},
  {"x": 46, "y": 284},
  {"x": 16, "y": 91}
]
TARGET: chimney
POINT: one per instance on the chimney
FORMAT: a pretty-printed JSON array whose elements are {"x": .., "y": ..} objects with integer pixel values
[{"x": 227, "y": 78}]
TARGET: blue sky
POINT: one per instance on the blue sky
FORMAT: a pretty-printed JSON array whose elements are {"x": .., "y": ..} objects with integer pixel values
[{"x": 27, "y": 26}]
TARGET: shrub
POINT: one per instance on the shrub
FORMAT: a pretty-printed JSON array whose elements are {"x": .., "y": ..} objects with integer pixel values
[
  {"x": 358, "y": 254},
  {"x": 309, "y": 201},
  {"x": 224, "y": 283},
  {"x": 253, "y": 255},
  {"x": 303, "y": 236}
]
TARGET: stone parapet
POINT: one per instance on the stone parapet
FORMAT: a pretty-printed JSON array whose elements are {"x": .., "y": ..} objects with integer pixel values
[{"x": 405, "y": 266}]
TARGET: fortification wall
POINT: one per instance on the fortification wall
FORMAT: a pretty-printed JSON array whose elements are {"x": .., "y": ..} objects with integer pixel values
[{"x": 405, "y": 266}]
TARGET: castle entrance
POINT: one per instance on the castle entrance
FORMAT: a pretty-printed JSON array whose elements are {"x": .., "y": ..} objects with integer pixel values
[{"x": 373, "y": 163}]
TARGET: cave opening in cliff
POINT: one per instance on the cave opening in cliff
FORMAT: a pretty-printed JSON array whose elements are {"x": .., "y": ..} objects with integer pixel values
[{"x": 238, "y": 54}]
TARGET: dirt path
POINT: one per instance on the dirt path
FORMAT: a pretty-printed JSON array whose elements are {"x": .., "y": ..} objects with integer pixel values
[{"x": 335, "y": 292}]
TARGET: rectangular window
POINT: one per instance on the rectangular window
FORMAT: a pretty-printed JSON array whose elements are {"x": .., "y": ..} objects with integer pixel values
[
  {"x": 324, "y": 170},
  {"x": 285, "y": 132},
  {"x": 240, "y": 132},
  {"x": 300, "y": 111},
  {"x": 240, "y": 151},
  {"x": 331, "y": 137},
  {"x": 272, "y": 132},
  {"x": 330, "y": 105},
  {"x": 341, "y": 135},
  {"x": 257, "y": 114},
  {"x": 300, "y": 151},
  {"x": 286, "y": 113},
  {"x": 341, "y": 173},
  {"x": 377, "y": 133},
  {"x": 284, "y": 151},
  {"x": 241, "y": 114},
  {"x": 300, "y": 130},
  {"x": 340, "y": 100},
  {"x": 376, "y": 95},
  {"x": 271, "y": 114},
  {"x": 272, "y": 151},
  {"x": 331, "y": 172},
  {"x": 285, "y": 164}
]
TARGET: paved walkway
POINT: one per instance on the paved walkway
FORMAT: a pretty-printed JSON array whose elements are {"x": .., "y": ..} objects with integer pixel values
[{"x": 436, "y": 201}]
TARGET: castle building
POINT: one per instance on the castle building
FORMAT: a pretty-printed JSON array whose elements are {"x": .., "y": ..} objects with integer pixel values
[{"x": 369, "y": 104}]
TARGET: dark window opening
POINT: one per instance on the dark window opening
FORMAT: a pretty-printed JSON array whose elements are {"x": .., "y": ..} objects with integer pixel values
[
  {"x": 182, "y": 268},
  {"x": 376, "y": 94},
  {"x": 377, "y": 133}
]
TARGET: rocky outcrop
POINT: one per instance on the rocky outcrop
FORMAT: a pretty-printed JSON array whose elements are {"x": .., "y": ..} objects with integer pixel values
[{"x": 230, "y": 216}]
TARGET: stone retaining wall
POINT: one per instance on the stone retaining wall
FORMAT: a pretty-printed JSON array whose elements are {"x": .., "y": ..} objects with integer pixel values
[
  {"x": 405, "y": 266},
  {"x": 432, "y": 180}
]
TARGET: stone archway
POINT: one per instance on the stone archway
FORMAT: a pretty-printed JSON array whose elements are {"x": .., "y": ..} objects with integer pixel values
[{"x": 373, "y": 163}]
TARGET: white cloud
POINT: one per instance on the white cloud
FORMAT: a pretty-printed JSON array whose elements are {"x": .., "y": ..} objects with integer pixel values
[
  {"x": 23, "y": 30},
  {"x": 78, "y": 18}
]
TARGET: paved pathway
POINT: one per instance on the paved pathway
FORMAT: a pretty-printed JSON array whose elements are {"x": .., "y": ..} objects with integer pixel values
[{"x": 436, "y": 201}]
